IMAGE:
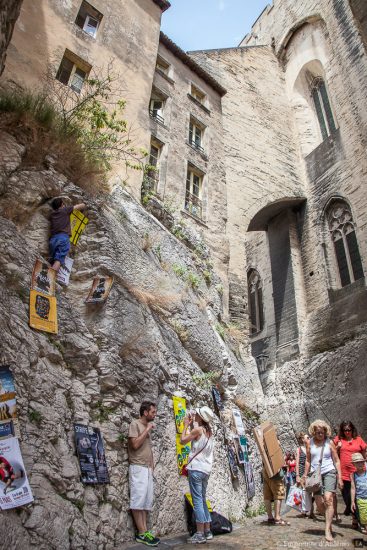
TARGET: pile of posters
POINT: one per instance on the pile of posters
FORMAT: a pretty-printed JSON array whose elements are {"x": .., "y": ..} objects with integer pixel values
[
  {"x": 78, "y": 223},
  {"x": 91, "y": 454},
  {"x": 182, "y": 451},
  {"x": 42, "y": 300},
  {"x": 100, "y": 290},
  {"x": 14, "y": 487}
]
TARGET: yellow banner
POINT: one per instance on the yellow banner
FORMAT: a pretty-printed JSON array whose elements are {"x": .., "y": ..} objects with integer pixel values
[
  {"x": 179, "y": 410},
  {"x": 189, "y": 498},
  {"x": 42, "y": 312},
  {"x": 182, "y": 452},
  {"x": 77, "y": 223}
]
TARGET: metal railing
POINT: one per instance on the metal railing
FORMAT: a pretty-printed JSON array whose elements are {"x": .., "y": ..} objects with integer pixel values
[
  {"x": 197, "y": 146},
  {"x": 150, "y": 182},
  {"x": 193, "y": 205},
  {"x": 156, "y": 116}
]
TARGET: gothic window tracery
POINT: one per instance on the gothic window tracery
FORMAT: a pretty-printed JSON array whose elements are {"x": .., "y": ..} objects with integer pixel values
[
  {"x": 343, "y": 236},
  {"x": 255, "y": 301}
]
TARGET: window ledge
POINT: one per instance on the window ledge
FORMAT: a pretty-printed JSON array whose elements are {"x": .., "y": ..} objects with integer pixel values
[
  {"x": 336, "y": 294},
  {"x": 204, "y": 156},
  {"x": 198, "y": 103},
  {"x": 165, "y": 76},
  {"x": 198, "y": 220},
  {"x": 157, "y": 122},
  {"x": 83, "y": 33}
]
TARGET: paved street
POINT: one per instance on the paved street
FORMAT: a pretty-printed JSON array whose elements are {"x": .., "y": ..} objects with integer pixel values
[{"x": 257, "y": 534}]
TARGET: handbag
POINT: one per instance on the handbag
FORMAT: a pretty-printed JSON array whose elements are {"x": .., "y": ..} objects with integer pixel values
[
  {"x": 184, "y": 471},
  {"x": 298, "y": 499},
  {"x": 313, "y": 480}
]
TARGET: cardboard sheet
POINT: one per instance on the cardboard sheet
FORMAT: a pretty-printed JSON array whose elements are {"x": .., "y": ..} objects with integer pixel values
[{"x": 269, "y": 448}]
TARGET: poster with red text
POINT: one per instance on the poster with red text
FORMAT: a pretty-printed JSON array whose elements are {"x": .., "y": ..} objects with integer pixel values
[{"x": 14, "y": 486}]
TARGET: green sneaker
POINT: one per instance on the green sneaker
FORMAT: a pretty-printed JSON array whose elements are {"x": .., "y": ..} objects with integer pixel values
[
  {"x": 145, "y": 538},
  {"x": 152, "y": 537}
]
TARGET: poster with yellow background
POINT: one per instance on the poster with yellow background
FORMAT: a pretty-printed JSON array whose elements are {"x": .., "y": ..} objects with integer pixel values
[
  {"x": 182, "y": 452},
  {"x": 179, "y": 410},
  {"x": 77, "y": 223},
  {"x": 42, "y": 312}
]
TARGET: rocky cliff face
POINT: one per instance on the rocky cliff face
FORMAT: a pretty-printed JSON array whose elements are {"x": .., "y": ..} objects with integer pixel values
[
  {"x": 8, "y": 15},
  {"x": 156, "y": 331}
]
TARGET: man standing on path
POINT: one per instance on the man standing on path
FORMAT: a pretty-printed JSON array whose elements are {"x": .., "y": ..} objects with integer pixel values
[{"x": 141, "y": 471}]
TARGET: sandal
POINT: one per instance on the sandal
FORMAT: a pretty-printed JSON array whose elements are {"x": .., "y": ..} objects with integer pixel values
[
  {"x": 355, "y": 525},
  {"x": 271, "y": 521},
  {"x": 364, "y": 530},
  {"x": 281, "y": 522}
]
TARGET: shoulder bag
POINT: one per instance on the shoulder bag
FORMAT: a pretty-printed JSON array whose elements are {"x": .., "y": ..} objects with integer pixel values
[
  {"x": 184, "y": 471},
  {"x": 313, "y": 480}
]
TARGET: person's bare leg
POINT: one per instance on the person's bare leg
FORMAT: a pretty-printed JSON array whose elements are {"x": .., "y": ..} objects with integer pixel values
[
  {"x": 200, "y": 527},
  {"x": 329, "y": 513},
  {"x": 140, "y": 520},
  {"x": 206, "y": 526},
  {"x": 269, "y": 511},
  {"x": 56, "y": 265},
  {"x": 320, "y": 504},
  {"x": 277, "y": 506}
]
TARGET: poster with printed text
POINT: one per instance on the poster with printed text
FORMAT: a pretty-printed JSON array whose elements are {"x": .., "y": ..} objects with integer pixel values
[
  {"x": 78, "y": 223},
  {"x": 179, "y": 410},
  {"x": 6, "y": 429},
  {"x": 63, "y": 275},
  {"x": 14, "y": 486},
  {"x": 91, "y": 455},
  {"x": 237, "y": 418},
  {"x": 250, "y": 482},
  {"x": 100, "y": 290},
  {"x": 8, "y": 404},
  {"x": 244, "y": 446},
  {"x": 232, "y": 460},
  {"x": 239, "y": 451},
  {"x": 43, "y": 278},
  {"x": 43, "y": 312},
  {"x": 182, "y": 452}
]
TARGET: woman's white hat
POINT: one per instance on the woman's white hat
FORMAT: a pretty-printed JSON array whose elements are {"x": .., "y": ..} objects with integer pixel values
[{"x": 205, "y": 413}]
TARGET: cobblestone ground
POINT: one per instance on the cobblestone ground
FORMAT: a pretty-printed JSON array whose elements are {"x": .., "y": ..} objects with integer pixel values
[{"x": 256, "y": 534}]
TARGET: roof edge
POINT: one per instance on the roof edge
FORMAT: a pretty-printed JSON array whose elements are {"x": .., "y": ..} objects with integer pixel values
[
  {"x": 163, "y": 4},
  {"x": 187, "y": 60}
]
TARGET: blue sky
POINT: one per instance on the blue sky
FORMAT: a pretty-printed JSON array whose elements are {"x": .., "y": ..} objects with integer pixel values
[{"x": 207, "y": 24}]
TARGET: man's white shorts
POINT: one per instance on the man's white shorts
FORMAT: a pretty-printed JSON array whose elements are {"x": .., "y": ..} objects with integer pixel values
[{"x": 141, "y": 487}]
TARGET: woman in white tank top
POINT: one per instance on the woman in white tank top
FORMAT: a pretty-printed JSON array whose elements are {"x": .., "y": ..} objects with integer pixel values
[
  {"x": 320, "y": 433},
  {"x": 199, "y": 468}
]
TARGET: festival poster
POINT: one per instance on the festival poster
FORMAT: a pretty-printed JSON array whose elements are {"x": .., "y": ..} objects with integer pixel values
[
  {"x": 43, "y": 278},
  {"x": 6, "y": 429},
  {"x": 244, "y": 446},
  {"x": 182, "y": 452},
  {"x": 100, "y": 290},
  {"x": 179, "y": 410},
  {"x": 250, "y": 482},
  {"x": 8, "y": 404},
  {"x": 232, "y": 461},
  {"x": 14, "y": 486},
  {"x": 42, "y": 312},
  {"x": 239, "y": 451},
  {"x": 63, "y": 275},
  {"x": 217, "y": 400},
  {"x": 78, "y": 223},
  {"x": 91, "y": 455},
  {"x": 240, "y": 429}
]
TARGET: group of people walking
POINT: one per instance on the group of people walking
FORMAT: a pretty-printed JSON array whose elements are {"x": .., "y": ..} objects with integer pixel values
[{"x": 341, "y": 461}]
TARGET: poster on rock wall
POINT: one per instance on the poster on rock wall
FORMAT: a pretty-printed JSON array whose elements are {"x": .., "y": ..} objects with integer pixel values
[
  {"x": 182, "y": 452},
  {"x": 91, "y": 455},
  {"x": 43, "y": 312},
  {"x": 179, "y": 410},
  {"x": 250, "y": 482},
  {"x": 63, "y": 275},
  {"x": 14, "y": 486},
  {"x": 78, "y": 223},
  {"x": 100, "y": 290},
  {"x": 43, "y": 278}
]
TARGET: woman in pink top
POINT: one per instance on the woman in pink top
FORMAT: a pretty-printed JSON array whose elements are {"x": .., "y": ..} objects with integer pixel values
[{"x": 347, "y": 443}]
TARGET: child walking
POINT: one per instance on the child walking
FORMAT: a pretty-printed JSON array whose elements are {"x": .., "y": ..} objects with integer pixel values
[{"x": 359, "y": 490}]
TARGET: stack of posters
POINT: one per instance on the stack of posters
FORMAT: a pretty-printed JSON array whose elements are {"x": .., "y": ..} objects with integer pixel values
[
  {"x": 14, "y": 487},
  {"x": 182, "y": 451},
  {"x": 91, "y": 455},
  {"x": 42, "y": 301},
  {"x": 100, "y": 290},
  {"x": 63, "y": 275},
  {"x": 78, "y": 223}
]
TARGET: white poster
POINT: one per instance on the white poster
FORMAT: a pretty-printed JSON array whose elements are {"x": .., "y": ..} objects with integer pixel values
[
  {"x": 63, "y": 275},
  {"x": 240, "y": 429},
  {"x": 14, "y": 487}
]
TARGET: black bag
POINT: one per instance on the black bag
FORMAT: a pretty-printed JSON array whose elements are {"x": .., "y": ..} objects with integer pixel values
[{"x": 219, "y": 524}]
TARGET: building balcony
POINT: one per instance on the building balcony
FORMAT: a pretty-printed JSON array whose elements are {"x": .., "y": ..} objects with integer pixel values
[
  {"x": 193, "y": 205},
  {"x": 155, "y": 116}
]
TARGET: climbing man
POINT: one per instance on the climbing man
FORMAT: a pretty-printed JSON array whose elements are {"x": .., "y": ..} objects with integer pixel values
[
  {"x": 60, "y": 231},
  {"x": 141, "y": 471}
]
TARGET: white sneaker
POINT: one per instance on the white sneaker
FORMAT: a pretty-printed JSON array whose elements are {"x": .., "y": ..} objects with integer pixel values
[
  {"x": 198, "y": 538},
  {"x": 208, "y": 535}
]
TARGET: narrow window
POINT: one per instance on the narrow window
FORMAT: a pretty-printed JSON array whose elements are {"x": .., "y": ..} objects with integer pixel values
[
  {"x": 162, "y": 66},
  {"x": 156, "y": 106},
  {"x": 322, "y": 107},
  {"x": 194, "y": 183},
  {"x": 88, "y": 18},
  {"x": 343, "y": 236},
  {"x": 198, "y": 94},
  {"x": 73, "y": 71},
  {"x": 151, "y": 177},
  {"x": 255, "y": 302},
  {"x": 196, "y": 133}
]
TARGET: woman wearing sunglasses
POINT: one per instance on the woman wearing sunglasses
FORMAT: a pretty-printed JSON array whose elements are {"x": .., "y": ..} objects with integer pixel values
[{"x": 347, "y": 443}]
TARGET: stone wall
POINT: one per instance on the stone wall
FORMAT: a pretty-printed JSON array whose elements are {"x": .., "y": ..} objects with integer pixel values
[{"x": 9, "y": 13}]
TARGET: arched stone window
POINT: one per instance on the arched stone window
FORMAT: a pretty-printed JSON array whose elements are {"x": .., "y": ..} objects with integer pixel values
[
  {"x": 343, "y": 236},
  {"x": 255, "y": 301},
  {"x": 322, "y": 105}
]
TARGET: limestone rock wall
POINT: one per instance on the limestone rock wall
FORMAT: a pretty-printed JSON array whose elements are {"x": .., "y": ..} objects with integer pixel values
[
  {"x": 149, "y": 339},
  {"x": 8, "y": 15}
]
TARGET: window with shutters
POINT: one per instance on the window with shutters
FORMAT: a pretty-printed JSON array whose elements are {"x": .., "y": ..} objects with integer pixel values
[
  {"x": 73, "y": 71},
  {"x": 255, "y": 302},
  {"x": 88, "y": 19},
  {"x": 193, "y": 196},
  {"x": 322, "y": 106},
  {"x": 343, "y": 236}
]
